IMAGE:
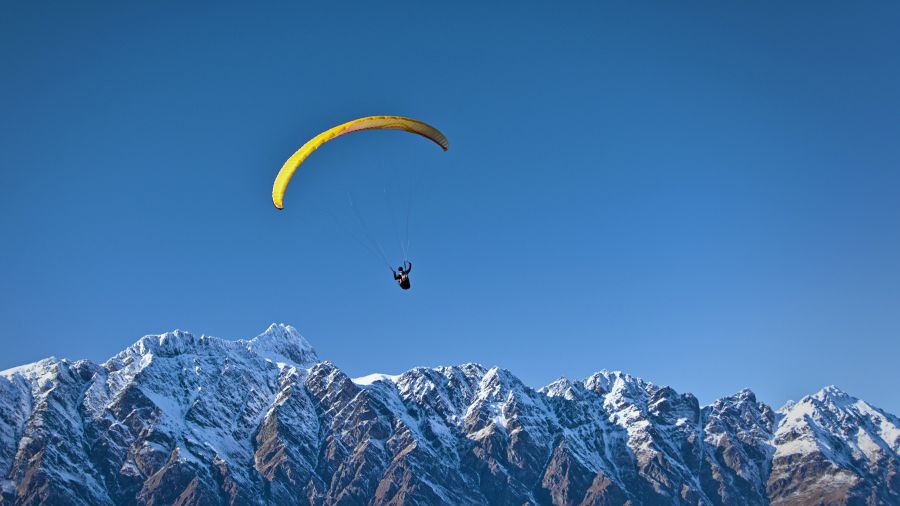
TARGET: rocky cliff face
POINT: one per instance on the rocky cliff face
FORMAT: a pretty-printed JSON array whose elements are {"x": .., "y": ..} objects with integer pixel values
[{"x": 179, "y": 419}]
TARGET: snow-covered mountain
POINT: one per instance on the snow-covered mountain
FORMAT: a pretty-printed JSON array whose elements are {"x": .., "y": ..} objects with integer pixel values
[{"x": 179, "y": 419}]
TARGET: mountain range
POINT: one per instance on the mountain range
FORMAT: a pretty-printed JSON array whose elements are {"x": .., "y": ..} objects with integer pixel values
[{"x": 181, "y": 419}]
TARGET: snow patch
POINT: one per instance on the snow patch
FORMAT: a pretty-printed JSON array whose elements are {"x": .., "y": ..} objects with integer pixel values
[{"x": 372, "y": 378}]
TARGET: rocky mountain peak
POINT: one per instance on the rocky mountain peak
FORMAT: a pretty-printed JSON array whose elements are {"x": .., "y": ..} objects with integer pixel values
[
  {"x": 745, "y": 395},
  {"x": 561, "y": 387},
  {"x": 283, "y": 343},
  {"x": 833, "y": 395},
  {"x": 168, "y": 344}
]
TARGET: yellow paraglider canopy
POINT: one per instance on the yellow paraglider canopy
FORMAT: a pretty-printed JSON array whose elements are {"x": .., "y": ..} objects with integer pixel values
[{"x": 368, "y": 123}]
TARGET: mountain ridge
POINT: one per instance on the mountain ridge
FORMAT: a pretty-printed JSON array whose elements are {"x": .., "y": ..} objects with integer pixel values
[{"x": 180, "y": 419}]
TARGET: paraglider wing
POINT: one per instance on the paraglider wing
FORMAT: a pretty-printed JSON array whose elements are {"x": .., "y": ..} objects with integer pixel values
[{"x": 368, "y": 123}]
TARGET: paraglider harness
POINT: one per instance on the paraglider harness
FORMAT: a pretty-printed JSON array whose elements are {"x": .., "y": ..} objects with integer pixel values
[{"x": 402, "y": 274}]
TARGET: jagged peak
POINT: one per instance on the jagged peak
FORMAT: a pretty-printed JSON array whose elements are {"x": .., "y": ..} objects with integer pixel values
[
  {"x": 283, "y": 343},
  {"x": 32, "y": 370},
  {"x": 745, "y": 403},
  {"x": 471, "y": 368},
  {"x": 565, "y": 388},
  {"x": 558, "y": 387},
  {"x": 828, "y": 398},
  {"x": 500, "y": 380},
  {"x": 280, "y": 332},
  {"x": 278, "y": 343},
  {"x": 615, "y": 374},
  {"x": 166, "y": 344},
  {"x": 605, "y": 381},
  {"x": 471, "y": 372},
  {"x": 833, "y": 400},
  {"x": 832, "y": 392},
  {"x": 743, "y": 395}
]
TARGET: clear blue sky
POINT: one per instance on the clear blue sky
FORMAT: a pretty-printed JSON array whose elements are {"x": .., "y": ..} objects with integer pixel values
[{"x": 705, "y": 195}]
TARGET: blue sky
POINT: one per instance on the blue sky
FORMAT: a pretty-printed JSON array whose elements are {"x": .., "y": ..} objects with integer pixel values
[{"x": 705, "y": 195}]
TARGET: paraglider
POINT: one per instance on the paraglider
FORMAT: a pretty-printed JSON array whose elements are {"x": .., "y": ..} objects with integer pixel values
[
  {"x": 401, "y": 275},
  {"x": 368, "y": 123}
]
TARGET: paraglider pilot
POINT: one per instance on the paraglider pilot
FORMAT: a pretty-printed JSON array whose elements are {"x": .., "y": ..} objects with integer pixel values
[{"x": 402, "y": 274}]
